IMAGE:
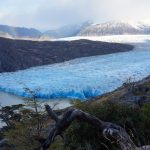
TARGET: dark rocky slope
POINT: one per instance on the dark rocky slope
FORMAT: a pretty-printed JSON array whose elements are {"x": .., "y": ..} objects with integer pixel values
[
  {"x": 22, "y": 54},
  {"x": 132, "y": 93}
]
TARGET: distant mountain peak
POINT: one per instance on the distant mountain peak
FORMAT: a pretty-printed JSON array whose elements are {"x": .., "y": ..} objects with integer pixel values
[
  {"x": 19, "y": 32},
  {"x": 116, "y": 28},
  {"x": 66, "y": 31},
  {"x": 31, "y": 33},
  {"x": 83, "y": 29}
]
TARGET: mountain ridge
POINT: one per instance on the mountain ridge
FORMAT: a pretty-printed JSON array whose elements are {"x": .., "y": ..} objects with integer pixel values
[
  {"x": 66, "y": 31},
  {"x": 12, "y": 32},
  {"x": 116, "y": 28},
  {"x": 19, "y": 32},
  {"x": 83, "y": 29}
]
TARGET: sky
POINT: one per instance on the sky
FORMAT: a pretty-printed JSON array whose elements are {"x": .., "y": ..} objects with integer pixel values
[{"x": 50, "y": 14}]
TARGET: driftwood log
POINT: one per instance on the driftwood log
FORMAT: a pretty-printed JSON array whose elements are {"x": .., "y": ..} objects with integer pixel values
[{"x": 107, "y": 129}]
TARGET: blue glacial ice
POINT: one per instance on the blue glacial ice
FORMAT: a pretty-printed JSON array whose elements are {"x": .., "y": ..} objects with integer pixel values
[{"x": 80, "y": 78}]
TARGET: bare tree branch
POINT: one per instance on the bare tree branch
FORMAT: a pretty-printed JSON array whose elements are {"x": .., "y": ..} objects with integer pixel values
[
  {"x": 108, "y": 130},
  {"x": 51, "y": 113}
]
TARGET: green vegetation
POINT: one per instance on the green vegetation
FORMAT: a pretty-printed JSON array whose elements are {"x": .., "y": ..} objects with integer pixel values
[
  {"x": 81, "y": 136},
  {"x": 23, "y": 131},
  {"x": 135, "y": 120},
  {"x": 28, "y": 125}
]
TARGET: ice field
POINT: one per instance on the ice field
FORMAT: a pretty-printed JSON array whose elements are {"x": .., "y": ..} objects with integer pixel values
[{"x": 83, "y": 78}]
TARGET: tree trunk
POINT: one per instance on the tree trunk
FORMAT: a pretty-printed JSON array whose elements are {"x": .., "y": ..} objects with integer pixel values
[{"x": 107, "y": 129}]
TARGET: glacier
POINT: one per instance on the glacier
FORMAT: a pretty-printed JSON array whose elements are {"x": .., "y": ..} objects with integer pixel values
[
  {"x": 81, "y": 78},
  {"x": 133, "y": 39}
]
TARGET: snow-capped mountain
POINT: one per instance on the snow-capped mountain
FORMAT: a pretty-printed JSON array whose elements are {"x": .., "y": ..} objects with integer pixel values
[
  {"x": 83, "y": 29},
  {"x": 65, "y": 31},
  {"x": 31, "y": 33},
  {"x": 18, "y": 32},
  {"x": 116, "y": 28}
]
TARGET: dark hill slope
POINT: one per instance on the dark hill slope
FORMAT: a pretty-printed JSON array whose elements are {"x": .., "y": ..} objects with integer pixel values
[
  {"x": 132, "y": 93},
  {"x": 22, "y": 54}
]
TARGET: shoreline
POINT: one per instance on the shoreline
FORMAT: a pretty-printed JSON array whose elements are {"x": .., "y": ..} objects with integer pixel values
[{"x": 7, "y": 99}]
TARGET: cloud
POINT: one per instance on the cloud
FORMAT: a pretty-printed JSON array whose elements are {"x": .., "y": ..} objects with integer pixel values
[{"x": 46, "y": 14}]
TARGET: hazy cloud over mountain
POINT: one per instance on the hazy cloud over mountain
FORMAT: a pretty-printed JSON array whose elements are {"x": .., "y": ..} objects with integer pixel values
[{"x": 46, "y": 14}]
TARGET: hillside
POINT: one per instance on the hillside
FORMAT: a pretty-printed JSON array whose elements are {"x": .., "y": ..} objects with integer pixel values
[
  {"x": 132, "y": 93},
  {"x": 21, "y": 54}
]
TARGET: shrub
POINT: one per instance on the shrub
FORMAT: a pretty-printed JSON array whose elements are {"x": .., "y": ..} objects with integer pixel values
[{"x": 81, "y": 136}]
